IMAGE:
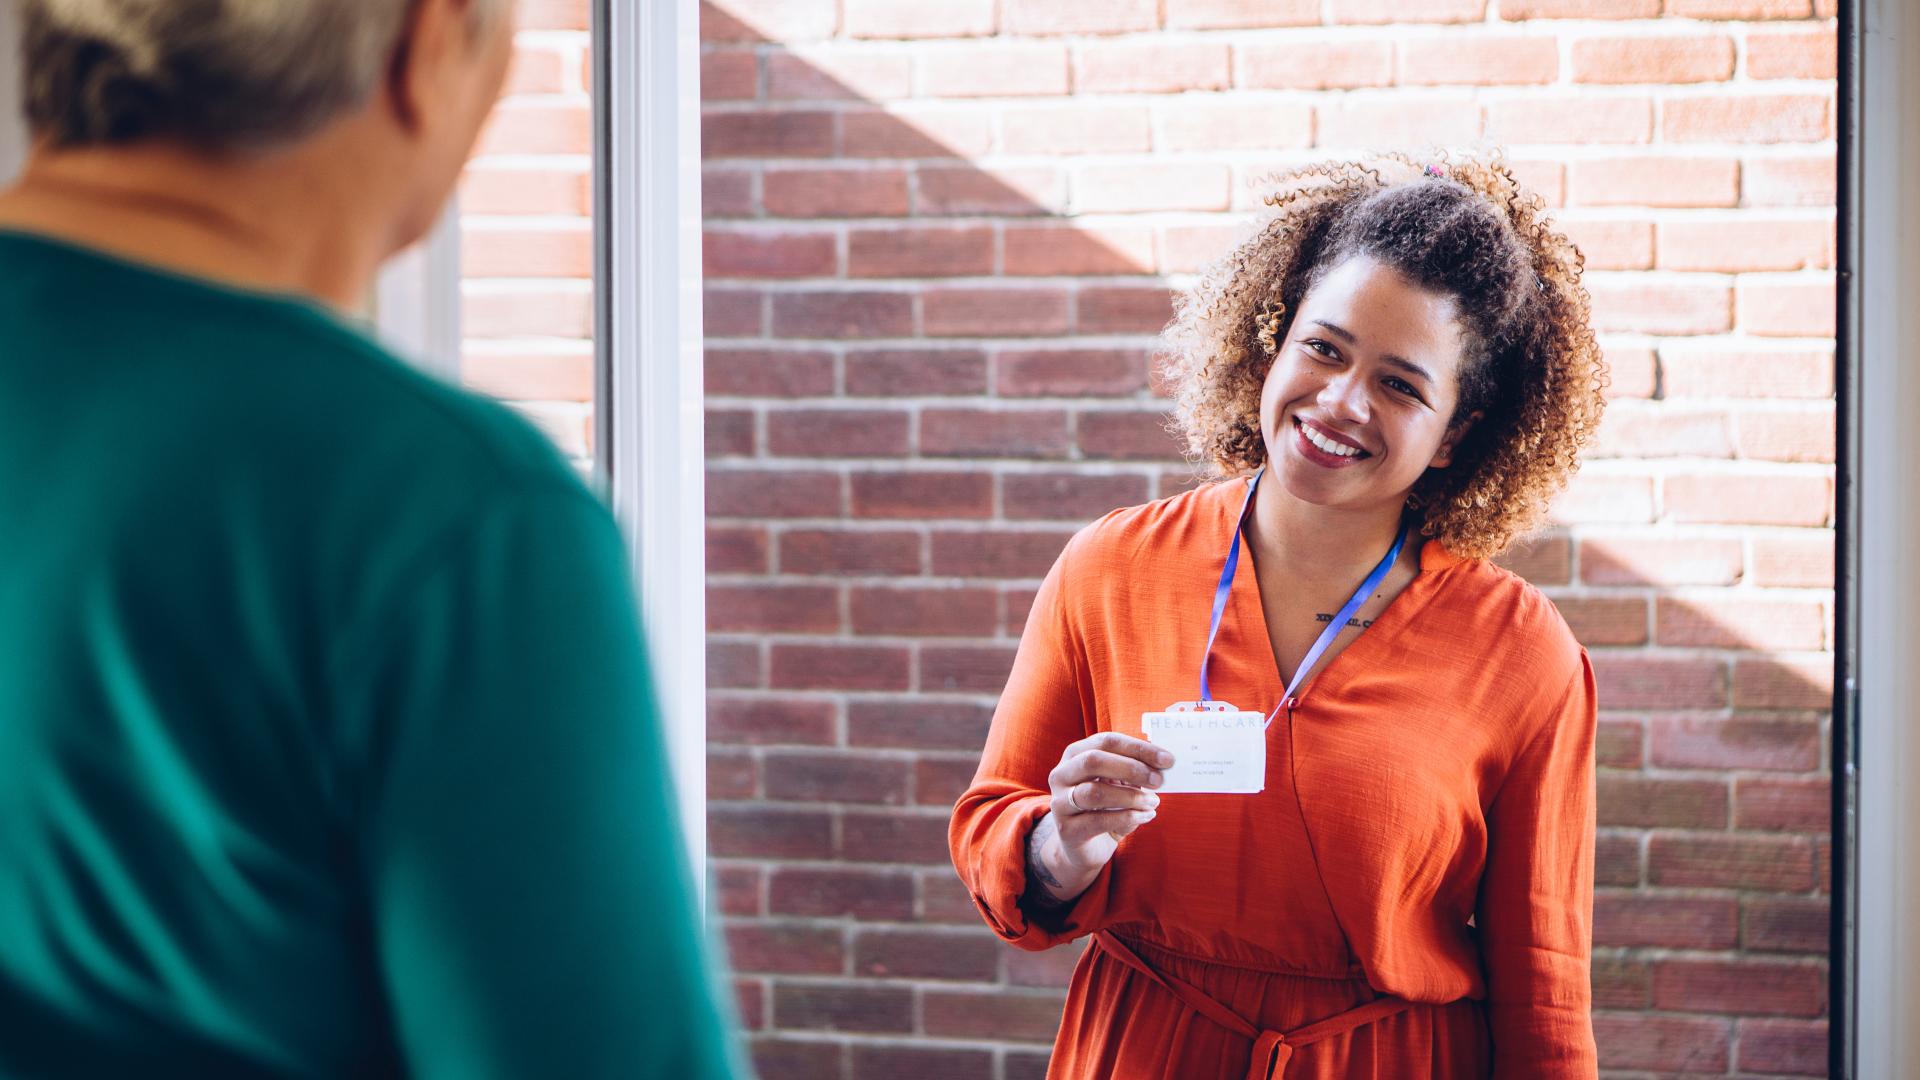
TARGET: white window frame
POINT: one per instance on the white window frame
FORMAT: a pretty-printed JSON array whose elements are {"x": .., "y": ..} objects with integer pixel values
[
  {"x": 650, "y": 410},
  {"x": 1881, "y": 512}
]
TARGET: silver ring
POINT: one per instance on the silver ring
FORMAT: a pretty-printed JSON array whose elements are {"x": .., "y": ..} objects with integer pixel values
[{"x": 1075, "y": 803}]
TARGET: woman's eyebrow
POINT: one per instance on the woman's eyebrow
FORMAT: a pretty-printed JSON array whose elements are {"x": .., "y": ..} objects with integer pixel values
[{"x": 1400, "y": 362}]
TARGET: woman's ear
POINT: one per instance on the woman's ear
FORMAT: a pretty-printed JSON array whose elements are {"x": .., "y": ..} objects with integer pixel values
[{"x": 1444, "y": 455}]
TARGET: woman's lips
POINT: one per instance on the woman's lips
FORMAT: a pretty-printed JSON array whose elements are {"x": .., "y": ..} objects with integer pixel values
[{"x": 1324, "y": 458}]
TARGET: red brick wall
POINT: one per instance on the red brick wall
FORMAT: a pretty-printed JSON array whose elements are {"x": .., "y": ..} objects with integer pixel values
[
  {"x": 940, "y": 239},
  {"x": 526, "y": 238}
]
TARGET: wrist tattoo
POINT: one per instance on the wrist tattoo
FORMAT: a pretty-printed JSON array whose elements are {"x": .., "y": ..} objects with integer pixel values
[{"x": 1038, "y": 876}]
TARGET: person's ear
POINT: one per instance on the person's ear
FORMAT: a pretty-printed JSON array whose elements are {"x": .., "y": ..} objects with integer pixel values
[
  {"x": 431, "y": 36},
  {"x": 1444, "y": 455}
]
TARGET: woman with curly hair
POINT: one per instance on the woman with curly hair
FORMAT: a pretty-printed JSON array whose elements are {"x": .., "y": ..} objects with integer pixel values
[{"x": 1378, "y": 860}]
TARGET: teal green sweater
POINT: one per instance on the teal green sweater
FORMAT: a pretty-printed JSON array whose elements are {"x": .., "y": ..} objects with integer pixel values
[{"x": 327, "y": 746}]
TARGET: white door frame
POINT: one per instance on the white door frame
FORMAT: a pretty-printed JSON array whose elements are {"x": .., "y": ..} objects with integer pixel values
[
  {"x": 650, "y": 410},
  {"x": 1882, "y": 512},
  {"x": 416, "y": 300}
]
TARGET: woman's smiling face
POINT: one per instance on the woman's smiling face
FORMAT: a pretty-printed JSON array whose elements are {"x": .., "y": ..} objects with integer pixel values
[{"x": 1357, "y": 404}]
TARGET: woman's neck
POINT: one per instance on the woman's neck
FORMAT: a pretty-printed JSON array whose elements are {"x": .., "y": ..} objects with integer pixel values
[{"x": 1303, "y": 541}]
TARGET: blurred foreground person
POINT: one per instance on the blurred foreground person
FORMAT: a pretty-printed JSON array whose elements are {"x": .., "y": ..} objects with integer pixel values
[{"x": 327, "y": 746}]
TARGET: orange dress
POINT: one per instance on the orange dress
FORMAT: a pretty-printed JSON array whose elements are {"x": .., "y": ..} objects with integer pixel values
[{"x": 1425, "y": 835}]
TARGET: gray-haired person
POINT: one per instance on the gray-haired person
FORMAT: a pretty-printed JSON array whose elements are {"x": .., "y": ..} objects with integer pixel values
[{"x": 327, "y": 747}]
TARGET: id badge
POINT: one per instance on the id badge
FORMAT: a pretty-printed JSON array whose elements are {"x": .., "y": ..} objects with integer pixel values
[{"x": 1216, "y": 748}]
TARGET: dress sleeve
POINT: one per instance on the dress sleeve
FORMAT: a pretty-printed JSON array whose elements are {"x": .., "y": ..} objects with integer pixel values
[
  {"x": 1047, "y": 705},
  {"x": 1535, "y": 912},
  {"x": 530, "y": 905}
]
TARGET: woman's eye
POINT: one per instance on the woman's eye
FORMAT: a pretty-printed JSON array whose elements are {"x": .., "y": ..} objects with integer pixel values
[
  {"x": 1404, "y": 387},
  {"x": 1321, "y": 347}
]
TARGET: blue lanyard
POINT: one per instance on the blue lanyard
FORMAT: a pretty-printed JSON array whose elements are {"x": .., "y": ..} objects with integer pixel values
[{"x": 1326, "y": 636}]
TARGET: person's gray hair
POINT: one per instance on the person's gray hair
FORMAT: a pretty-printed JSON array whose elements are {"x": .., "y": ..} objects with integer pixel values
[{"x": 222, "y": 74}]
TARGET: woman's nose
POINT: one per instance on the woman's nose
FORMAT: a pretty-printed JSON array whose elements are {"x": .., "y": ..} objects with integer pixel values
[{"x": 1344, "y": 396}]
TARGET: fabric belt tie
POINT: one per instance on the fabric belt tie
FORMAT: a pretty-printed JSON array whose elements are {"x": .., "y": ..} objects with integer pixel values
[{"x": 1271, "y": 1049}]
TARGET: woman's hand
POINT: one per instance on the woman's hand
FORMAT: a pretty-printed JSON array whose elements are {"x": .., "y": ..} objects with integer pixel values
[{"x": 1101, "y": 792}]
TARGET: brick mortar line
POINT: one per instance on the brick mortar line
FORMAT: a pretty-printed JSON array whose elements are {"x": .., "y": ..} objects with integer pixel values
[
  {"x": 1576, "y": 532},
  {"x": 570, "y": 164},
  {"x": 852, "y": 403},
  {"x": 1659, "y": 276},
  {"x": 566, "y": 98},
  {"x": 1675, "y": 832},
  {"x": 917, "y": 101},
  {"x": 1489, "y": 17},
  {"x": 831, "y": 697},
  {"x": 1721, "y": 467},
  {"x": 775, "y": 342},
  {"x": 807, "y": 863},
  {"x": 928, "y": 811},
  {"x": 1742, "y": 85},
  {"x": 1751, "y": 405},
  {"x": 1282, "y": 33},
  {"x": 1266, "y": 161},
  {"x": 1584, "y": 212},
  {"x": 1017, "y": 467},
  {"x": 987, "y": 697},
  {"x": 1672, "y": 530},
  {"x": 953, "y": 756},
  {"x": 964, "y": 403},
  {"x": 1273, "y": 157},
  {"x": 503, "y": 225},
  {"x": 852, "y": 927},
  {"x": 903, "y": 755},
  {"x": 923, "y": 343},
  {"x": 1654, "y": 407},
  {"x": 913, "y": 982},
  {"x": 898, "y": 1040},
  {"x": 1580, "y": 591},
  {"x": 934, "y": 466},
  {"x": 1172, "y": 282},
  {"x": 1725, "y": 712},
  {"x": 571, "y": 348},
  {"x": 562, "y": 286},
  {"x": 1742, "y": 590},
  {"x": 1732, "y": 777},
  {"x": 1724, "y": 655},
  {"x": 1318, "y": 100},
  {"x": 1070, "y": 455},
  {"x": 905, "y": 1040},
  {"x": 928, "y": 583},
  {"x": 914, "y": 923},
  {"x": 1144, "y": 279},
  {"x": 1086, "y": 222},
  {"x": 945, "y": 523},
  {"x": 1687, "y": 892},
  {"x": 1707, "y": 652},
  {"x": 1657, "y": 954},
  {"x": 1729, "y": 1017},
  {"x": 550, "y": 35},
  {"x": 1073, "y": 452}
]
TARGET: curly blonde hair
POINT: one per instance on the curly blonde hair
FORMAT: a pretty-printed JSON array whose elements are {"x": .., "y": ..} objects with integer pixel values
[{"x": 1465, "y": 228}]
